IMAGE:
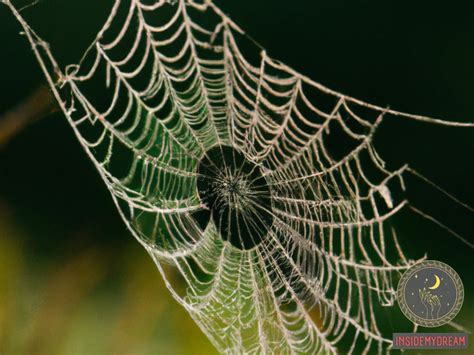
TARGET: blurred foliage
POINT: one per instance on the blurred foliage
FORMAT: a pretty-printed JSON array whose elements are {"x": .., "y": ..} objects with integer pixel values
[
  {"x": 89, "y": 300},
  {"x": 73, "y": 280}
]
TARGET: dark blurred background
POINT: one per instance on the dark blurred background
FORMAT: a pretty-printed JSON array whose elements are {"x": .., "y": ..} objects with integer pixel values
[{"x": 73, "y": 280}]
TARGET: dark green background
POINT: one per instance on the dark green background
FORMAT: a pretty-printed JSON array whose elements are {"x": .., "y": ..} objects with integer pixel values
[{"x": 415, "y": 56}]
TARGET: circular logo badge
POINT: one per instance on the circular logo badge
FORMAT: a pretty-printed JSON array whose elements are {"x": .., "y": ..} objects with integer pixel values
[{"x": 430, "y": 293}]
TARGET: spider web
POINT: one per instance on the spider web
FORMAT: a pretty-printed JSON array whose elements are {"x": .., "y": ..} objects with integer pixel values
[{"x": 163, "y": 84}]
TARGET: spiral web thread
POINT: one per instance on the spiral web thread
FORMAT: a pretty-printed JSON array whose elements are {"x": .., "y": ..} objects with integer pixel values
[{"x": 164, "y": 82}]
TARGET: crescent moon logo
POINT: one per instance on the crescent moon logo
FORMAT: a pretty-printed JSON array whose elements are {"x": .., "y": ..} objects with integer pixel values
[
  {"x": 436, "y": 284},
  {"x": 430, "y": 293}
]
